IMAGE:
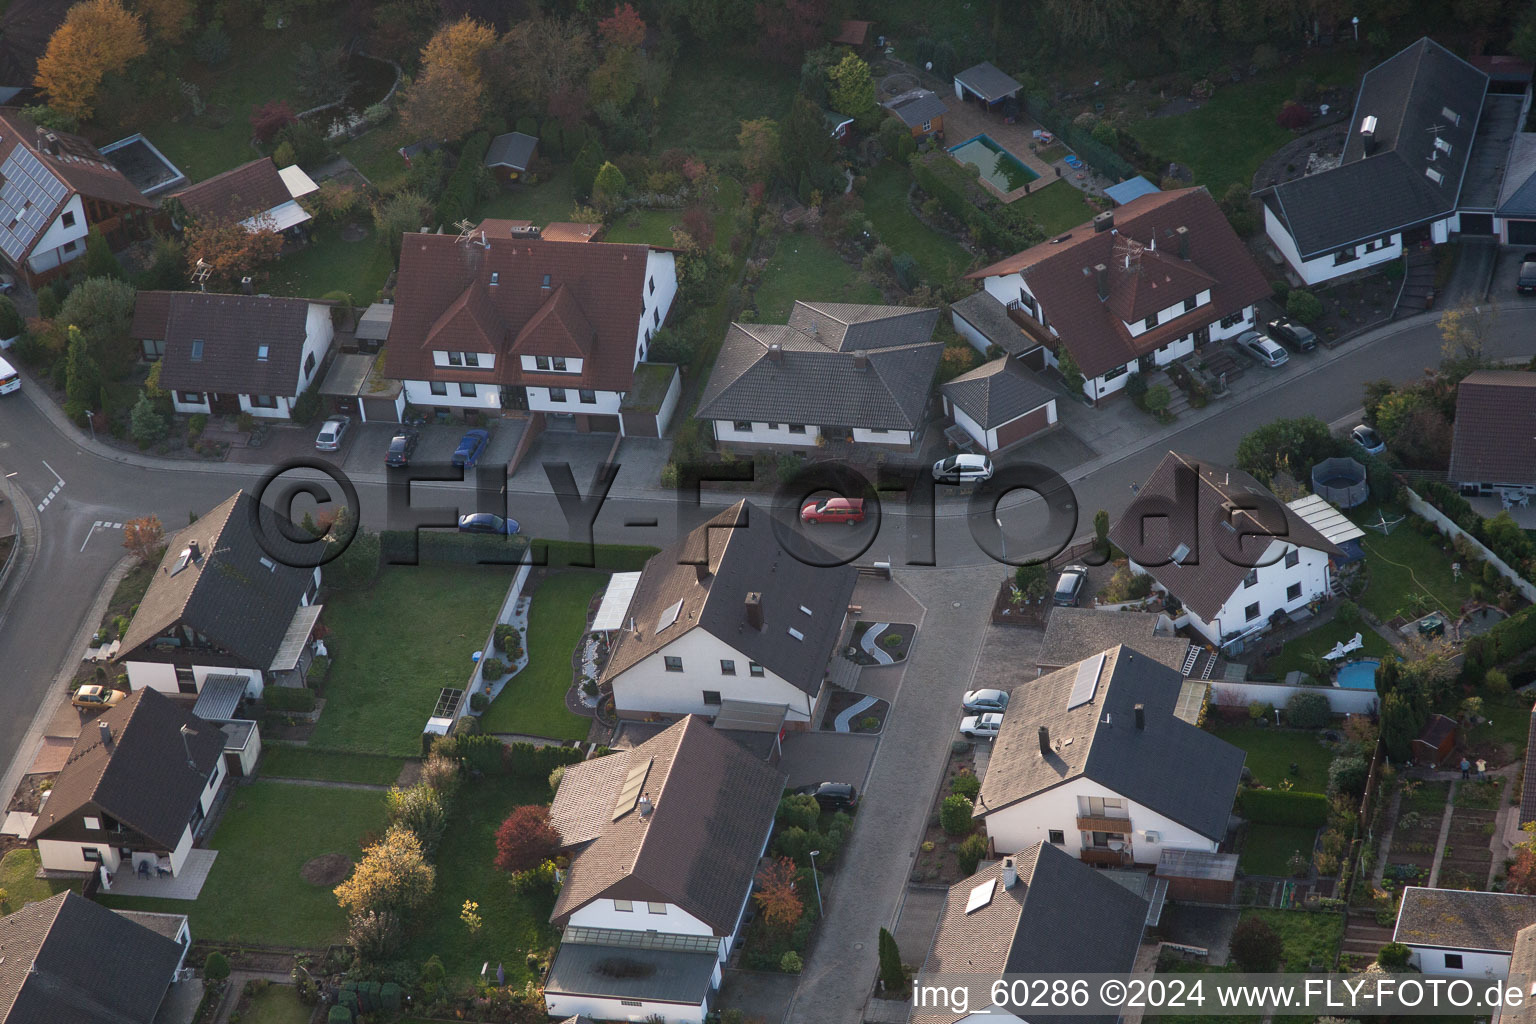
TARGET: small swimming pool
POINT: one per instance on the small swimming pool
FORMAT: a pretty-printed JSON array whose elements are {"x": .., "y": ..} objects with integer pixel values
[
  {"x": 998, "y": 166},
  {"x": 1359, "y": 675}
]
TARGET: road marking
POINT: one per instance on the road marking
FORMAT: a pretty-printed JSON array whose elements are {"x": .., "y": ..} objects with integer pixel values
[
  {"x": 55, "y": 473},
  {"x": 56, "y": 487},
  {"x": 98, "y": 525}
]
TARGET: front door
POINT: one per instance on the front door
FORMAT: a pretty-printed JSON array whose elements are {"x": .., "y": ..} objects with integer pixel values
[
  {"x": 224, "y": 405},
  {"x": 514, "y": 397},
  {"x": 1147, "y": 363},
  {"x": 1202, "y": 335}
]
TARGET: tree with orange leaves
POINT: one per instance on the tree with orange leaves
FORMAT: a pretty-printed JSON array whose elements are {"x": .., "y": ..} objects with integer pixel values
[
  {"x": 98, "y": 37},
  {"x": 229, "y": 250},
  {"x": 145, "y": 538},
  {"x": 441, "y": 103},
  {"x": 776, "y": 895},
  {"x": 461, "y": 45},
  {"x": 623, "y": 29},
  {"x": 168, "y": 20}
]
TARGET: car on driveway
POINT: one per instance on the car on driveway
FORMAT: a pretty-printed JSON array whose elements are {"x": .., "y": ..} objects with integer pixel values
[
  {"x": 331, "y": 433},
  {"x": 1069, "y": 586},
  {"x": 979, "y": 702},
  {"x": 1260, "y": 349},
  {"x": 963, "y": 469},
  {"x": 97, "y": 697},
  {"x": 834, "y": 510},
  {"x": 832, "y": 796},
  {"x": 7, "y": 284},
  {"x": 1368, "y": 439},
  {"x": 402, "y": 446},
  {"x": 981, "y": 727},
  {"x": 471, "y": 447},
  {"x": 1526, "y": 283},
  {"x": 1291, "y": 334},
  {"x": 485, "y": 522}
]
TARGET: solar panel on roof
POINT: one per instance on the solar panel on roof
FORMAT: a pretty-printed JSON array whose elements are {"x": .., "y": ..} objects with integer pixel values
[
  {"x": 634, "y": 785},
  {"x": 29, "y": 195},
  {"x": 1087, "y": 684},
  {"x": 669, "y": 615},
  {"x": 980, "y": 896}
]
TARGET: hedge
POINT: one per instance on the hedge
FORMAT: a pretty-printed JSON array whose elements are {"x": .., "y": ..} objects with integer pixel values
[
  {"x": 1514, "y": 547},
  {"x": 414, "y": 547},
  {"x": 1283, "y": 807},
  {"x": 1506, "y": 641},
  {"x": 459, "y": 197},
  {"x": 562, "y": 554},
  {"x": 289, "y": 698},
  {"x": 1097, "y": 155},
  {"x": 950, "y": 183},
  {"x": 490, "y": 756}
]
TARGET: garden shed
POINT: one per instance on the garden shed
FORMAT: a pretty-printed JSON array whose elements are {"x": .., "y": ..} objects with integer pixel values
[
  {"x": 1437, "y": 742},
  {"x": 985, "y": 83},
  {"x": 1198, "y": 876}
]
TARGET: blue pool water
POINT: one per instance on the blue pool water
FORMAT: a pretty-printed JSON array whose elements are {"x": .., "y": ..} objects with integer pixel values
[
  {"x": 1359, "y": 675},
  {"x": 998, "y": 166}
]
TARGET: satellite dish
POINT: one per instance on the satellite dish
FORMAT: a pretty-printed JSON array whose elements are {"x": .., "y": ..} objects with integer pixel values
[{"x": 1117, "y": 845}]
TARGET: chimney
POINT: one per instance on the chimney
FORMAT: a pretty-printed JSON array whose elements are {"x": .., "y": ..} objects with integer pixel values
[
  {"x": 1368, "y": 133},
  {"x": 1101, "y": 272},
  {"x": 48, "y": 142},
  {"x": 1141, "y": 716},
  {"x": 755, "y": 610},
  {"x": 1045, "y": 741},
  {"x": 861, "y": 360},
  {"x": 646, "y": 807},
  {"x": 1104, "y": 221},
  {"x": 106, "y": 734},
  {"x": 1010, "y": 873},
  {"x": 776, "y": 352},
  {"x": 1183, "y": 236},
  {"x": 246, "y": 285},
  {"x": 193, "y": 553}
]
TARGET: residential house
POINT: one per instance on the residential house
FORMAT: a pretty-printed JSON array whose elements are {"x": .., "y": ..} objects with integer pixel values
[
  {"x": 1072, "y": 634},
  {"x": 835, "y": 371},
  {"x": 1422, "y": 161},
  {"x": 1494, "y": 446},
  {"x": 258, "y": 195},
  {"x": 920, "y": 110},
  {"x": 57, "y": 188},
  {"x": 225, "y": 602},
  {"x": 501, "y": 319},
  {"x": 134, "y": 793},
  {"x": 231, "y": 354},
  {"x": 726, "y": 617},
  {"x": 665, "y": 840},
  {"x": 1455, "y": 932},
  {"x": 1039, "y": 912},
  {"x": 1133, "y": 290},
  {"x": 1522, "y": 975},
  {"x": 1092, "y": 759},
  {"x": 1193, "y": 524},
  {"x": 509, "y": 156},
  {"x": 986, "y": 84},
  {"x": 1528, "y": 803},
  {"x": 999, "y": 404},
  {"x": 71, "y": 961}
]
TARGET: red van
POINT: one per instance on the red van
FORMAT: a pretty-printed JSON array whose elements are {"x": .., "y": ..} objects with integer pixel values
[{"x": 834, "y": 510}]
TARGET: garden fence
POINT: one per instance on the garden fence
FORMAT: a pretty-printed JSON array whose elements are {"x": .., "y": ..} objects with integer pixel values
[
  {"x": 1353, "y": 864},
  {"x": 1096, "y": 154}
]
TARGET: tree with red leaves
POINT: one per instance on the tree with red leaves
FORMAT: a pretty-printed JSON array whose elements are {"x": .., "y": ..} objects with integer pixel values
[
  {"x": 526, "y": 839},
  {"x": 776, "y": 894},
  {"x": 270, "y": 118},
  {"x": 789, "y": 28},
  {"x": 622, "y": 30}
]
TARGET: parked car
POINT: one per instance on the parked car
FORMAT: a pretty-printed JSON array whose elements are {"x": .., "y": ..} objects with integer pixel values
[
  {"x": 1261, "y": 349},
  {"x": 331, "y": 433},
  {"x": 1291, "y": 334},
  {"x": 834, "y": 510},
  {"x": 1368, "y": 439},
  {"x": 1526, "y": 285},
  {"x": 981, "y": 727},
  {"x": 981, "y": 701},
  {"x": 833, "y": 796},
  {"x": 402, "y": 446},
  {"x": 485, "y": 522},
  {"x": 97, "y": 697},
  {"x": 7, "y": 284},
  {"x": 470, "y": 448},
  {"x": 1069, "y": 586},
  {"x": 963, "y": 469}
]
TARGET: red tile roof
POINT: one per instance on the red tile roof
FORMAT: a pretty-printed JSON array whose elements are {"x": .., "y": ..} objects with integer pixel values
[
  {"x": 236, "y": 194},
  {"x": 1146, "y": 275},
  {"x": 1495, "y": 439}
]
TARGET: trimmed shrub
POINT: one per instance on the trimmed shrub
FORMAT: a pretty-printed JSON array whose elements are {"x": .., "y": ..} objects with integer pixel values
[
  {"x": 492, "y": 669},
  {"x": 1303, "y": 306},
  {"x": 1308, "y": 711},
  {"x": 1348, "y": 775},
  {"x": 967, "y": 785},
  {"x": 799, "y": 810},
  {"x": 790, "y": 962},
  {"x": 289, "y": 698},
  {"x": 955, "y": 815},
  {"x": 478, "y": 702},
  {"x": 215, "y": 968},
  {"x": 972, "y": 849},
  {"x": 1283, "y": 807},
  {"x": 1393, "y": 956}
]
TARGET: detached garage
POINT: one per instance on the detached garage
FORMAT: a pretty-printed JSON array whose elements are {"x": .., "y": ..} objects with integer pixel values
[{"x": 1000, "y": 404}]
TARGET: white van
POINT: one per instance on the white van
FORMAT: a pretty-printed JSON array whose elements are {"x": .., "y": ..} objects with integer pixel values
[{"x": 10, "y": 380}]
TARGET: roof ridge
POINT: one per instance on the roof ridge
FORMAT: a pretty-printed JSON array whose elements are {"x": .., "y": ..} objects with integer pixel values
[{"x": 228, "y": 505}]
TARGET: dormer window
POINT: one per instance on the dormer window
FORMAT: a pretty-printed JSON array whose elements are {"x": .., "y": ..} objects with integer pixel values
[
  {"x": 559, "y": 364},
  {"x": 541, "y": 362},
  {"x": 472, "y": 359},
  {"x": 1190, "y": 303},
  {"x": 455, "y": 359}
]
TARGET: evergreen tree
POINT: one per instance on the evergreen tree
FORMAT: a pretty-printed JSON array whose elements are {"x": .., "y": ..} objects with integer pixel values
[
  {"x": 892, "y": 975},
  {"x": 82, "y": 377},
  {"x": 99, "y": 260}
]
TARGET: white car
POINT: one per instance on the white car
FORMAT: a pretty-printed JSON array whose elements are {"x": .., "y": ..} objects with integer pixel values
[
  {"x": 331, "y": 433},
  {"x": 1257, "y": 347},
  {"x": 982, "y": 727},
  {"x": 963, "y": 469}
]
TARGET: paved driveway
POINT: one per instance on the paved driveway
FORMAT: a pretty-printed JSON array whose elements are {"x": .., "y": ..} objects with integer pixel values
[
  {"x": 1502, "y": 291},
  {"x": 761, "y": 995},
  {"x": 812, "y": 757}
]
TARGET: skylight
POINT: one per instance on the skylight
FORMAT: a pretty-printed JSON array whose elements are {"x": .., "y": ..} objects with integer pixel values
[
  {"x": 796, "y": 633},
  {"x": 197, "y": 351},
  {"x": 261, "y": 353},
  {"x": 980, "y": 896},
  {"x": 1180, "y": 553},
  {"x": 1433, "y": 175},
  {"x": 1442, "y": 145},
  {"x": 805, "y": 609},
  {"x": 669, "y": 615},
  {"x": 1450, "y": 115}
]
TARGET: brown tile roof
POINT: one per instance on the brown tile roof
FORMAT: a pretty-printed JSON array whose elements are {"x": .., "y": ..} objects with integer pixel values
[
  {"x": 713, "y": 804},
  {"x": 1061, "y": 276},
  {"x": 141, "y": 778},
  {"x": 232, "y": 329},
  {"x": 604, "y": 284},
  {"x": 1457, "y": 919},
  {"x": 1522, "y": 973},
  {"x": 1205, "y": 582},
  {"x": 583, "y": 805},
  {"x": 1495, "y": 434},
  {"x": 236, "y": 194},
  {"x": 1528, "y": 793},
  {"x": 1072, "y": 634},
  {"x": 852, "y": 32},
  {"x": 570, "y": 231}
]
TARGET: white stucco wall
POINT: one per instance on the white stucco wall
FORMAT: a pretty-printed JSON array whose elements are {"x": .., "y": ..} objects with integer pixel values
[
  {"x": 1431, "y": 960},
  {"x": 160, "y": 676},
  {"x": 766, "y": 433},
  {"x": 189, "y": 408},
  {"x": 1220, "y": 333},
  {"x": 57, "y": 855},
  {"x": 48, "y": 252},
  {"x": 598, "y": 1008},
  {"x": 1023, "y": 824},
  {"x": 1172, "y": 312},
  {"x": 1323, "y": 268},
  {"x": 607, "y": 403},
  {"x": 889, "y": 437},
  {"x": 660, "y": 267},
  {"x": 676, "y": 921},
  {"x": 487, "y": 396},
  {"x": 648, "y": 687},
  {"x": 1269, "y": 590},
  {"x": 963, "y": 328},
  {"x": 669, "y": 404}
]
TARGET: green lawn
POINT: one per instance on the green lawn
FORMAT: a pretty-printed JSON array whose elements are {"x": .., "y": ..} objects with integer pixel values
[
  {"x": 651, "y": 227},
  {"x": 1271, "y": 752},
  {"x": 885, "y": 202},
  {"x": 276, "y": 1004},
  {"x": 805, "y": 267},
  {"x": 396, "y": 645},
  {"x": 1427, "y": 797},
  {"x": 1296, "y": 655},
  {"x": 1267, "y": 849},
  {"x": 1509, "y": 722},
  {"x": 376, "y": 154},
  {"x": 1056, "y": 209},
  {"x": 1407, "y": 563},
  {"x": 18, "y": 877},
  {"x": 330, "y": 264},
  {"x": 1242, "y": 118},
  {"x": 255, "y": 892},
  {"x": 1310, "y": 938},
  {"x": 709, "y": 97},
  {"x": 514, "y": 924},
  {"x": 550, "y": 200},
  {"x": 533, "y": 703},
  {"x": 285, "y": 761}
]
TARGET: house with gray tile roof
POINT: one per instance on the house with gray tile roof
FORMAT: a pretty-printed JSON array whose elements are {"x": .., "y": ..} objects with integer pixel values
[
  {"x": 1456, "y": 932},
  {"x": 1037, "y": 912},
  {"x": 1093, "y": 759},
  {"x": 835, "y": 370},
  {"x": 999, "y": 404},
  {"x": 1072, "y": 634},
  {"x": 920, "y": 110}
]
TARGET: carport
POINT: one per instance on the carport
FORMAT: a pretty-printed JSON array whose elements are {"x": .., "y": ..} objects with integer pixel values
[
  {"x": 355, "y": 385},
  {"x": 219, "y": 699},
  {"x": 373, "y": 327},
  {"x": 986, "y": 83}
]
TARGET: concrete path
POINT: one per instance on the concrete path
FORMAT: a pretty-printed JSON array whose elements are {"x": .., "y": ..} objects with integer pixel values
[
  {"x": 1445, "y": 833},
  {"x": 868, "y": 643},
  {"x": 325, "y": 783},
  {"x": 843, "y": 720},
  {"x": 1379, "y": 873}
]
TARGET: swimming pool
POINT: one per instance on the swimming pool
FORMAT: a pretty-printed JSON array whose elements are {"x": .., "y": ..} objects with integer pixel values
[
  {"x": 998, "y": 166},
  {"x": 1359, "y": 675}
]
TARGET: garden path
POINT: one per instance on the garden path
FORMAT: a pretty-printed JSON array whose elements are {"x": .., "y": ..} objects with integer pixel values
[
  {"x": 843, "y": 720},
  {"x": 1379, "y": 874},
  {"x": 237, "y": 980},
  {"x": 870, "y": 642},
  {"x": 1445, "y": 833},
  {"x": 326, "y": 783}
]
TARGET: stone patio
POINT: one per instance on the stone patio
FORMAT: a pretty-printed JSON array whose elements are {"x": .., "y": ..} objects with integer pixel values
[{"x": 184, "y": 886}]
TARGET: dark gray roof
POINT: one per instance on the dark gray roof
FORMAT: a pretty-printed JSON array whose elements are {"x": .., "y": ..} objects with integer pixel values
[
  {"x": 983, "y": 311},
  {"x": 807, "y": 371},
  {"x": 1060, "y": 916},
  {"x": 1150, "y": 766},
  {"x": 231, "y": 330},
  {"x": 1490, "y": 152},
  {"x": 1072, "y": 634},
  {"x": 916, "y": 107},
  {"x": 231, "y": 594},
  {"x": 219, "y": 697},
  {"x": 1528, "y": 793},
  {"x": 67, "y": 960},
  {"x": 1457, "y": 919},
  {"x": 1387, "y": 190},
  {"x": 624, "y": 972},
  {"x": 997, "y": 392},
  {"x": 1517, "y": 191},
  {"x": 514, "y": 150},
  {"x": 988, "y": 81}
]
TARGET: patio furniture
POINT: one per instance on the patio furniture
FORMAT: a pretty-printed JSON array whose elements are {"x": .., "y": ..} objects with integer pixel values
[
  {"x": 143, "y": 869},
  {"x": 1341, "y": 648},
  {"x": 1431, "y": 625}
]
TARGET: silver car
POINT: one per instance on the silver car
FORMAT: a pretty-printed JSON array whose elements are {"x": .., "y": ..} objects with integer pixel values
[
  {"x": 982, "y": 727},
  {"x": 1261, "y": 349},
  {"x": 331, "y": 433},
  {"x": 981, "y": 701}
]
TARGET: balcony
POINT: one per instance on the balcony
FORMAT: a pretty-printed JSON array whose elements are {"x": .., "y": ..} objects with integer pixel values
[
  {"x": 1101, "y": 823},
  {"x": 1100, "y": 856}
]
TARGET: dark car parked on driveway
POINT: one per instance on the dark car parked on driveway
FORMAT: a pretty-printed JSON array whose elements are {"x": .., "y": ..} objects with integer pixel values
[
  {"x": 1526, "y": 284},
  {"x": 833, "y": 796},
  {"x": 471, "y": 447},
  {"x": 402, "y": 446},
  {"x": 1291, "y": 334}
]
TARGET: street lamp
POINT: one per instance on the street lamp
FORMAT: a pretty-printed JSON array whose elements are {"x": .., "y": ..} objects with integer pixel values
[
  {"x": 1355, "y": 21},
  {"x": 817, "y": 880},
  {"x": 1002, "y": 535}
]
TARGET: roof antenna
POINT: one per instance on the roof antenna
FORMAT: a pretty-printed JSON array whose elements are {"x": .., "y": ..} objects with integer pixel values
[{"x": 186, "y": 731}]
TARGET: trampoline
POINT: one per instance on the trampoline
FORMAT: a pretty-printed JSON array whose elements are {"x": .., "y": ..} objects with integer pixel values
[{"x": 1340, "y": 481}]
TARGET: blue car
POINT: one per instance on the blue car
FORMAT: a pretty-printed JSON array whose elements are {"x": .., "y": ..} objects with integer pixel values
[
  {"x": 471, "y": 445},
  {"x": 485, "y": 522}
]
